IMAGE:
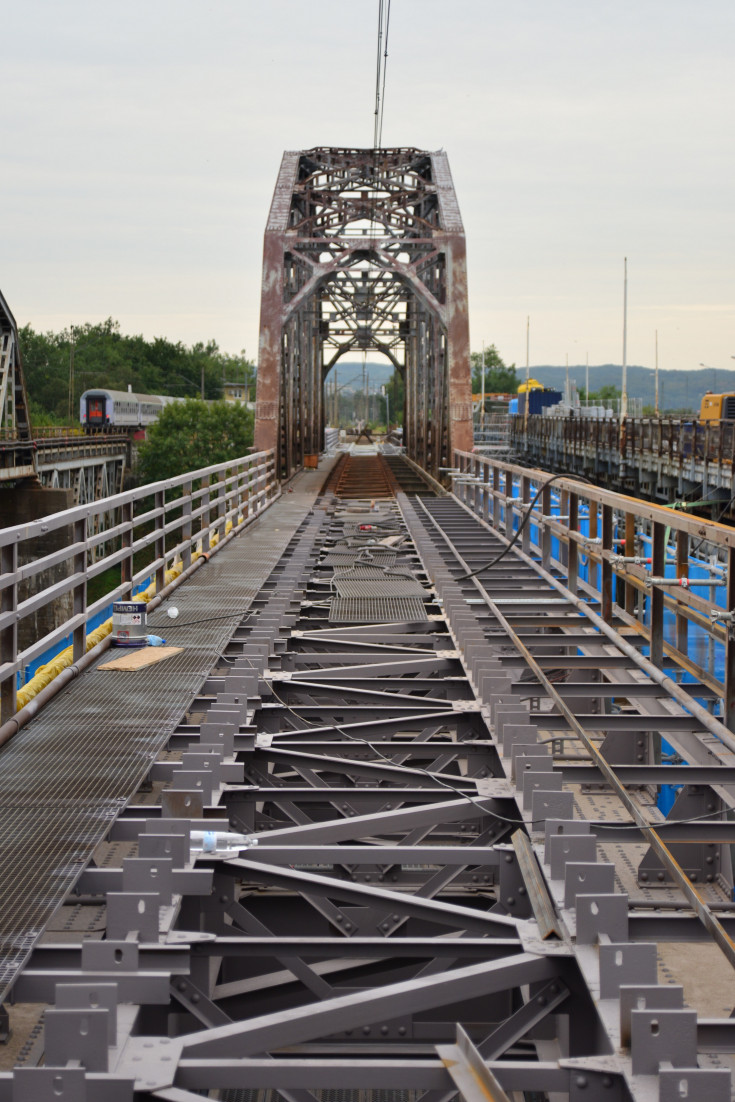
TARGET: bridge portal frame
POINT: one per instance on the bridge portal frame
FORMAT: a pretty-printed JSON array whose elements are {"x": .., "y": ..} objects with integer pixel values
[{"x": 364, "y": 250}]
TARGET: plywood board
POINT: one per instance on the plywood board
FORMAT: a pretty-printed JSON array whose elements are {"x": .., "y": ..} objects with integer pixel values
[{"x": 140, "y": 658}]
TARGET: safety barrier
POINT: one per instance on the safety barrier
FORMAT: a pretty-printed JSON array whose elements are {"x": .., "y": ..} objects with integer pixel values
[
  {"x": 159, "y": 530},
  {"x": 666, "y": 578}
]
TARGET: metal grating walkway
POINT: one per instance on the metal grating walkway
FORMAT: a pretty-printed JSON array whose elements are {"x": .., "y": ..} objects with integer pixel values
[
  {"x": 377, "y": 610},
  {"x": 52, "y": 814}
]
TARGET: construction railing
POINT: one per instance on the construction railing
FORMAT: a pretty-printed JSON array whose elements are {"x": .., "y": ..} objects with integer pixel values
[
  {"x": 660, "y": 437},
  {"x": 156, "y": 533},
  {"x": 666, "y": 579}
]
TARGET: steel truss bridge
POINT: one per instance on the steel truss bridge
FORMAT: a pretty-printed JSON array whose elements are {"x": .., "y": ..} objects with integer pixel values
[
  {"x": 376, "y": 826},
  {"x": 364, "y": 250},
  {"x": 664, "y": 459},
  {"x": 430, "y": 797},
  {"x": 91, "y": 468}
]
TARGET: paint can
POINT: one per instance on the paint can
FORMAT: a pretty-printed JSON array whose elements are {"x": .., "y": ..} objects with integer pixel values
[{"x": 128, "y": 624}]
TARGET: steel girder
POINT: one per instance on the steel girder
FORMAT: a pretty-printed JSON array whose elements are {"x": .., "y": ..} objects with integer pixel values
[
  {"x": 392, "y": 929},
  {"x": 17, "y": 456},
  {"x": 364, "y": 251}
]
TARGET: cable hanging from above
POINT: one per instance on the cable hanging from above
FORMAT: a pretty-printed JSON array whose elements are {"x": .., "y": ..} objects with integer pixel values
[{"x": 381, "y": 66}]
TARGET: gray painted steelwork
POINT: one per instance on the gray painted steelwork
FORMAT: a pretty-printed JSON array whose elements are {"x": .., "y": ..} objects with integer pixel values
[{"x": 435, "y": 905}]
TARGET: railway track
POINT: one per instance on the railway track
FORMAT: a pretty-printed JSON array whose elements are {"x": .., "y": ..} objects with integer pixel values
[{"x": 462, "y": 886}]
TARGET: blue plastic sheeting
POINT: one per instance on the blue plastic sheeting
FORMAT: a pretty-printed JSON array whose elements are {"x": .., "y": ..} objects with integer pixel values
[
  {"x": 702, "y": 648},
  {"x": 94, "y": 622}
]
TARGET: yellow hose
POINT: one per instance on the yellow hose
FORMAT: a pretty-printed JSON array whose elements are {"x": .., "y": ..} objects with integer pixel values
[{"x": 52, "y": 669}]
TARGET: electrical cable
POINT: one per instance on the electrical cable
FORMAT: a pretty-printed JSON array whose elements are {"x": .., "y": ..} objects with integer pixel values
[
  {"x": 522, "y": 525},
  {"x": 385, "y": 66},
  {"x": 377, "y": 76},
  {"x": 458, "y": 792}
]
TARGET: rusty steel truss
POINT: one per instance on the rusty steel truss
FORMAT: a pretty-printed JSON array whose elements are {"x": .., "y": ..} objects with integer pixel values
[
  {"x": 364, "y": 251},
  {"x": 17, "y": 455}
]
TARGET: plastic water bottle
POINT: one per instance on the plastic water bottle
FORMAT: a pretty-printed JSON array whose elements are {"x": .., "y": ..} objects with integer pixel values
[{"x": 219, "y": 841}]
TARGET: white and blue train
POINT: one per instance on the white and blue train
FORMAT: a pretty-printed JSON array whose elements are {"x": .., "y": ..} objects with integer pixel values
[{"x": 105, "y": 409}]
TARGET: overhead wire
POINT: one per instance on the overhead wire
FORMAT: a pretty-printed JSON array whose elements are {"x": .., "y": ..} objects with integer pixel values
[{"x": 381, "y": 66}]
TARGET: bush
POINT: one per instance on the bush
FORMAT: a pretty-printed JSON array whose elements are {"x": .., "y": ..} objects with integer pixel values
[{"x": 193, "y": 434}]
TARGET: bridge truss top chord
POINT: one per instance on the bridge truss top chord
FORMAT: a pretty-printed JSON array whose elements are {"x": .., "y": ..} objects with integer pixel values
[{"x": 364, "y": 250}]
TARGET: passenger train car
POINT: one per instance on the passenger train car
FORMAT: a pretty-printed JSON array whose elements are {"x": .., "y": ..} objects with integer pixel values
[{"x": 102, "y": 409}]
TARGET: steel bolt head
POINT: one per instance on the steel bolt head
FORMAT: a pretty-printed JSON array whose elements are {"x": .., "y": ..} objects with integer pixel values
[{"x": 581, "y": 1082}]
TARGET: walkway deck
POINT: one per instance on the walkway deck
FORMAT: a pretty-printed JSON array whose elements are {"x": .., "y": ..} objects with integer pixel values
[{"x": 52, "y": 816}]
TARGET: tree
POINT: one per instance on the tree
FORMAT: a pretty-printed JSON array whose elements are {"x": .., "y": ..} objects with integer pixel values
[
  {"x": 104, "y": 357},
  {"x": 499, "y": 379},
  {"x": 193, "y": 434}
]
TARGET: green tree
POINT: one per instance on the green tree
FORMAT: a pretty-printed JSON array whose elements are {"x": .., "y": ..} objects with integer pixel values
[
  {"x": 102, "y": 356},
  {"x": 499, "y": 378},
  {"x": 395, "y": 390},
  {"x": 193, "y": 434}
]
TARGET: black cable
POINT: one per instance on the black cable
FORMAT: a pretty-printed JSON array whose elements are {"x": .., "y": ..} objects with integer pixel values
[
  {"x": 385, "y": 66},
  {"x": 377, "y": 76},
  {"x": 522, "y": 525},
  {"x": 205, "y": 620}
]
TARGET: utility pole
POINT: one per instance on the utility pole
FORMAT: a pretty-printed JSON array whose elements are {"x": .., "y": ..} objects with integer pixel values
[
  {"x": 482, "y": 402},
  {"x": 658, "y": 412},
  {"x": 624, "y": 396},
  {"x": 70, "y": 414},
  {"x": 528, "y": 377}
]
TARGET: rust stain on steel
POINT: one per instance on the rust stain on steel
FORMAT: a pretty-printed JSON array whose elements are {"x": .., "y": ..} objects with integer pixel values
[{"x": 364, "y": 250}]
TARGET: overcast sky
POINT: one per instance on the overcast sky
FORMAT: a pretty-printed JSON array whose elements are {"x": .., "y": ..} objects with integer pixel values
[{"x": 141, "y": 143}]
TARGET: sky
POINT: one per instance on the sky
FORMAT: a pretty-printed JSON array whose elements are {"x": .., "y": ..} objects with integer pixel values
[{"x": 141, "y": 144}]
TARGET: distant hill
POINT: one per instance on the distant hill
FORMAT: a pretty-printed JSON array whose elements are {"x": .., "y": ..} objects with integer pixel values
[{"x": 677, "y": 389}]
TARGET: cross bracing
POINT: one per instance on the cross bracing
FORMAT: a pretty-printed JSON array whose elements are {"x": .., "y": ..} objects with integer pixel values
[
  {"x": 364, "y": 251},
  {"x": 446, "y": 898}
]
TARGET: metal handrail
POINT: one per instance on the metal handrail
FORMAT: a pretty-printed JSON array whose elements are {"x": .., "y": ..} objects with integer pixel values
[
  {"x": 595, "y": 541},
  {"x": 175, "y": 518}
]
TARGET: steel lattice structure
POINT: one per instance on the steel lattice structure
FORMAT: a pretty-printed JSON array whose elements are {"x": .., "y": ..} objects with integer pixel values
[
  {"x": 17, "y": 459},
  {"x": 364, "y": 251}
]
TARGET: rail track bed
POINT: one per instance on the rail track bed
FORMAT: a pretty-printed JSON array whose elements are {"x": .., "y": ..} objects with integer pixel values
[{"x": 404, "y": 839}]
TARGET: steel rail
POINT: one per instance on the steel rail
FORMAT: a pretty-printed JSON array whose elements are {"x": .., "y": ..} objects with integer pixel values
[
  {"x": 662, "y": 851},
  {"x": 713, "y": 725}
]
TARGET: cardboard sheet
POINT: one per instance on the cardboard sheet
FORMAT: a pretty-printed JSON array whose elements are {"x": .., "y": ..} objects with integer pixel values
[{"x": 141, "y": 657}]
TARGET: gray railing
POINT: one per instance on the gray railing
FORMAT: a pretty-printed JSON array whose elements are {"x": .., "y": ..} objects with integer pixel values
[
  {"x": 149, "y": 532},
  {"x": 665, "y": 578}
]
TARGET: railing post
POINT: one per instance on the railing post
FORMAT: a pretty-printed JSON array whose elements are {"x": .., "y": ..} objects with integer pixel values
[
  {"x": 658, "y": 555},
  {"x": 222, "y": 504},
  {"x": 628, "y": 594},
  {"x": 206, "y": 482},
  {"x": 606, "y": 567},
  {"x": 496, "y": 497},
  {"x": 486, "y": 490},
  {"x": 526, "y": 498},
  {"x": 573, "y": 553},
  {"x": 126, "y": 543},
  {"x": 243, "y": 483},
  {"x": 592, "y": 571},
  {"x": 545, "y": 531},
  {"x": 682, "y": 571},
  {"x": 729, "y": 700},
  {"x": 9, "y": 635},
  {"x": 79, "y": 592},
  {"x": 508, "y": 508},
  {"x": 160, "y": 541},
  {"x": 186, "y": 528}
]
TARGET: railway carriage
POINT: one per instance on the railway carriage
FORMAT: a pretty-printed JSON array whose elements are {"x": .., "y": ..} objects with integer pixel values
[{"x": 103, "y": 409}]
